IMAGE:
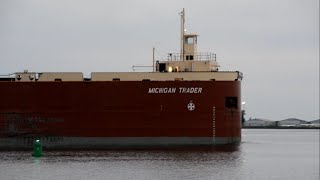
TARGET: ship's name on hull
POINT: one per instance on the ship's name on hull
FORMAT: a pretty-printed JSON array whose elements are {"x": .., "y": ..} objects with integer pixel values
[{"x": 173, "y": 90}]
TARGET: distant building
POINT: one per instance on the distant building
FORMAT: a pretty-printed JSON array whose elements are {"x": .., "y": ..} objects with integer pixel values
[
  {"x": 286, "y": 123},
  {"x": 292, "y": 122},
  {"x": 315, "y": 123},
  {"x": 259, "y": 123}
]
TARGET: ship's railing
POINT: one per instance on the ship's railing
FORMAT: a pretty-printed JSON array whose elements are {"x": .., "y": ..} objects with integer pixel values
[
  {"x": 202, "y": 56},
  {"x": 141, "y": 68},
  {"x": 7, "y": 77}
]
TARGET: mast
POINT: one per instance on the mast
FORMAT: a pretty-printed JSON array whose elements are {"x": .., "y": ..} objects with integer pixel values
[
  {"x": 182, "y": 33},
  {"x": 153, "y": 59}
]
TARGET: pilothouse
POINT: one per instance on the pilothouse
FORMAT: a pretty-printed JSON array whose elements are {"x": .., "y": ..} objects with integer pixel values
[{"x": 189, "y": 59}]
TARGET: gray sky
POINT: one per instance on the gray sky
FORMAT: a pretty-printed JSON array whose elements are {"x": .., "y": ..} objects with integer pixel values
[{"x": 275, "y": 43}]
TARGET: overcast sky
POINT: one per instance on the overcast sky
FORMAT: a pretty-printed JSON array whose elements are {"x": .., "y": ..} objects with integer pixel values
[{"x": 275, "y": 43}]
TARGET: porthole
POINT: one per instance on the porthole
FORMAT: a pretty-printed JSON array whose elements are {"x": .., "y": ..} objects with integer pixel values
[
  {"x": 19, "y": 77},
  {"x": 31, "y": 77}
]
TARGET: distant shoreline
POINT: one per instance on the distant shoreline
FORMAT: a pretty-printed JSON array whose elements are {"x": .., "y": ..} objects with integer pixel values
[{"x": 264, "y": 127}]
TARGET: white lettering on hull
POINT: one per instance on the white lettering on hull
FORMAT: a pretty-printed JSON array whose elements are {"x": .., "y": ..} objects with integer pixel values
[{"x": 173, "y": 90}]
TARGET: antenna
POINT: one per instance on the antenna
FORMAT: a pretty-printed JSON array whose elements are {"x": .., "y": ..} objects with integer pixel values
[
  {"x": 182, "y": 14},
  {"x": 153, "y": 49}
]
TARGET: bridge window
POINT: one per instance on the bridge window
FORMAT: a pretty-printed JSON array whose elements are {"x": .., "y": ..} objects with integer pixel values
[
  {"x": 189, "y": 57},
  {"x": 189, "y": 40},
  {"x": 162, "y": 67}
]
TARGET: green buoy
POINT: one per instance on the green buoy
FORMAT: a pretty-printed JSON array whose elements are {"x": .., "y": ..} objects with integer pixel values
[{"x": 37, "y": 148}]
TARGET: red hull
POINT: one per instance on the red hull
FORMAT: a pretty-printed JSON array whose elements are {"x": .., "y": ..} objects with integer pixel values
[{"x": 119, "y": 109}]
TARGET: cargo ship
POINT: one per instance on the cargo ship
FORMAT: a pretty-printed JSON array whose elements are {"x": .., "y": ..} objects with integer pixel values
[{"x": 183, "y": 101}]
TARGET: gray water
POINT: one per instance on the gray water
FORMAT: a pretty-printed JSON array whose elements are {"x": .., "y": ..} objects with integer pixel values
[{"x": 263, "y": 154}]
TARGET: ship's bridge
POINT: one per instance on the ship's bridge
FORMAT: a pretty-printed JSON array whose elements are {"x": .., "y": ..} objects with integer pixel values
[
  {"x": 177, "y": 62},
  {"x": 188, "y": 60}
]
